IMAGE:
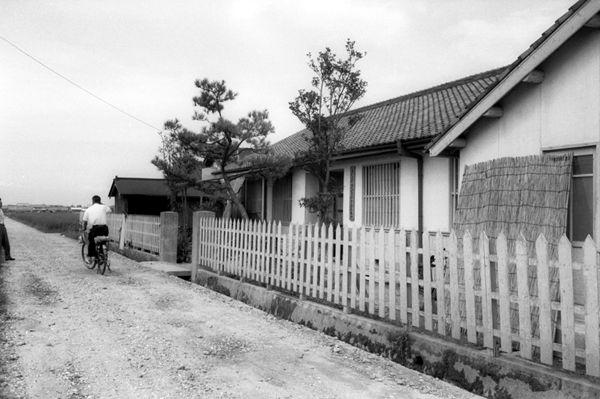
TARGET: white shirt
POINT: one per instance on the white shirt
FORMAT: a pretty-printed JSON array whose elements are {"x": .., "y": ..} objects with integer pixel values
[
  {"x": 95, "y": 215},
  {"x": 1, "y": 217}
]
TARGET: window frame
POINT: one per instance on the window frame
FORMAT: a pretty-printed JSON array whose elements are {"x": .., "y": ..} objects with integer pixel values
[
  {"x": 454, "y": 187},
  {"x": 590, "y": 149},
  {"x": 387, "y": 197}
]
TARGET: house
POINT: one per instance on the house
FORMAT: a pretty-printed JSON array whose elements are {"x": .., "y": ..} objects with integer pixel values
[
  {"x": 135, "y": 195},
  {"x": 546, "y": 103},
  {"x": 386, "y": 177},
  {"x": 403, "y": 161}
]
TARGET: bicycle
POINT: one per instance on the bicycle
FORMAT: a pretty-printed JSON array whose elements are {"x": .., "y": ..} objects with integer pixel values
[{"x": 102, "y": 260}]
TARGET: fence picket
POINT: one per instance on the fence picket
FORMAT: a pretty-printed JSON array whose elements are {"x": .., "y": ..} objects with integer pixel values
[
  {"x": 381, "y": 266},
  {"x": 486, "y": 289},
  {"x": 391, "y": 255},
  {"x": 329, "y": 268},
  {"x": 242, "y": 249},
  {"x": 567, "y": 319},
  {"x": 336, "y": 265},
  {"x": 222, "y": 245},
  {"x": 414, "y": 279},
  {"x": 503, "y": 293},
  {"x": 289, "y": 260},
  {"x": 321, "y": 259},
  {"x": 345, "y": 267},
  {"x": 469, "y": 287},
  {"x": 211, "y": 244},
  {"x": 237, "y": 235},
  {"x": 318, "y": 271},
  {"x": 353, "y": 266},
  {"x": 229, "y": 246},
  {"x": 256, "y": 251},
  {"x": 237, "y": 239},
  {"x": 255, "y": 236},
  {"x": 440, "y": 277},
  {"x": 215, "y": 245},
  {"x": 454, "y": 309},
  {"x": 545, "y": 312},
  {"x": 300, "y": 259},
  {"x": 270, "y": 252},
  {"x": 220, "y": 240},
  {"x": 524, "y": 299},
  {"x": 403, "y": 282},
  {"x": 592, "y": 341},
  {"x": 309, "y": 259},
  {"x": 362, "y": 269},
  {"x": 427, "y": 304},
  {"x": 372, "y": 253},
  {"x": 279, "y": 256},
  {"x": 262, "y": 250}
]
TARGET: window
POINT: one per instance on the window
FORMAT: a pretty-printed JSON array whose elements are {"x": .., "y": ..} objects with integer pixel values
[
  {"x": 581, "y": 201},
  {"x": 381, "y": 194},
  {"x": 580, "y": 216},
  {"x": 454, "y": 190},
  {"x": 253, "y": 199},
  {"x": 282, "y": 199}
]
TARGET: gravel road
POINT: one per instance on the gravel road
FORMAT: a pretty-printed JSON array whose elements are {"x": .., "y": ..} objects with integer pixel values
[{"x": 66, "y": 332}]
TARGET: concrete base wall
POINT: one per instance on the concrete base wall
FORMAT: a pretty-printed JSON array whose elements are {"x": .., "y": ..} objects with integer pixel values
[
  {"x": 139, "y": 256},
  {"x": 470, "y": 368}
]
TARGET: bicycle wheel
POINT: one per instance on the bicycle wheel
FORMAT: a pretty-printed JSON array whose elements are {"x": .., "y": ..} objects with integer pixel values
[
  {"x": 86, "y": 262},
  {"x": 102, "y": 259}
]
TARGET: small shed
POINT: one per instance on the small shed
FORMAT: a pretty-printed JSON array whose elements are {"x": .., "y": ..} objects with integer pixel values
[{"x": 143, "y": 196}]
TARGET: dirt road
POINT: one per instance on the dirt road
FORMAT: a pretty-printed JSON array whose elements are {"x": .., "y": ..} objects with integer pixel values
[{"x": 66, "y": 332}]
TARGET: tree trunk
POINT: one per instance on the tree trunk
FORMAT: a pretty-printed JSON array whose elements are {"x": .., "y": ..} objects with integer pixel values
[{"x": 233, "y": 196}]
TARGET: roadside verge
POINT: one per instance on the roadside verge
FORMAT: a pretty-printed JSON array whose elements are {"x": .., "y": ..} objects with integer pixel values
[{"x": 470, "y": 368}]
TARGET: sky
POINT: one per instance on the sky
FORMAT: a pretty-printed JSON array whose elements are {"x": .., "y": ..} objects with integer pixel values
[{"x": 60, "y": 144}]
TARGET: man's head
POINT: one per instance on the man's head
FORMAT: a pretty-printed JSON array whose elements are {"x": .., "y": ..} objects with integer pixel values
[
  {"x": 0, "y": 202},
  {"x": 96, "y": 199}
]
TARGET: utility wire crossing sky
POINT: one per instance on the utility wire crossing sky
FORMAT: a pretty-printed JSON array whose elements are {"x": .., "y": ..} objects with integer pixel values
[{"x": 87, "y": 85}]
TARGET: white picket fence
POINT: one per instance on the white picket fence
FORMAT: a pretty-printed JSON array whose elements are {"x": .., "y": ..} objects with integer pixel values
[
  {"x": 140, "y": 232},
  {"x": 507, "y": 302},
  {"x": 115, "y": 226}
]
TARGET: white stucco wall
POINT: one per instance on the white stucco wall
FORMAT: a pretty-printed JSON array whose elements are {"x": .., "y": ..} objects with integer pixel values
[
  {"x": 436, "y": 186},
  {"x": 436, "y": 194},
  {"x": 562, "y": 111},
  {"x": 409, "y": 194}
]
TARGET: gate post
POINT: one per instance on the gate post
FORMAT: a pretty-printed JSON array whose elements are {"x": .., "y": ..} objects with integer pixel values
[{"x": 169, "y": 226}]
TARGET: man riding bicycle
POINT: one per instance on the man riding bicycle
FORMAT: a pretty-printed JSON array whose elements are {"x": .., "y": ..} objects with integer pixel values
[{"x": 94, "y": 217}]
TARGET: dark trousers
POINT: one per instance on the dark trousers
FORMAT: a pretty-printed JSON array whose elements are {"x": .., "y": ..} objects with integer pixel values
[
  {"x": 95, "y": 231},
  {"x": 4, "y": 241}
]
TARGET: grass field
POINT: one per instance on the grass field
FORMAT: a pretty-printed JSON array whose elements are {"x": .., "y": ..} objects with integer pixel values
[{"x": 66, "y": 223}]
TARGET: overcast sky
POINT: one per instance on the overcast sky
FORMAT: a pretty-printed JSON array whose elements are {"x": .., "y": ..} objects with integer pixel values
[{"x": 60, "y": 145}]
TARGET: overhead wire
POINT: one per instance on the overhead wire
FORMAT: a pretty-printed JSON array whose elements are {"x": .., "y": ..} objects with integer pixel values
[{"x": 77, "y": 84}]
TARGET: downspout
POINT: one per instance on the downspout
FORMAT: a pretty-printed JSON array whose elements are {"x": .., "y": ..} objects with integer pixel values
[{"x": 420, "y": 194}]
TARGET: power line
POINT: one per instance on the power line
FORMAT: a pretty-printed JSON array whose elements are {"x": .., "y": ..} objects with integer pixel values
[{"x": 78, "y": 85}]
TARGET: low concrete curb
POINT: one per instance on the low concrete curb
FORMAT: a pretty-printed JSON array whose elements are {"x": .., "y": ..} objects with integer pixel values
[
  {"x": 470, "y": 368},
  {"x": 139, "y": 256}
]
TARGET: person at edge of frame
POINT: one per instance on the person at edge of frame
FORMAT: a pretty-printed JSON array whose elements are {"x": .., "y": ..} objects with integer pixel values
[{"x": 4, "y": 243}]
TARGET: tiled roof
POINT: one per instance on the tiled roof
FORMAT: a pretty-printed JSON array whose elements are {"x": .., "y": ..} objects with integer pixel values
[
  {"x": 420, "y": 115},
  {"x": 142, "y": 186}
]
